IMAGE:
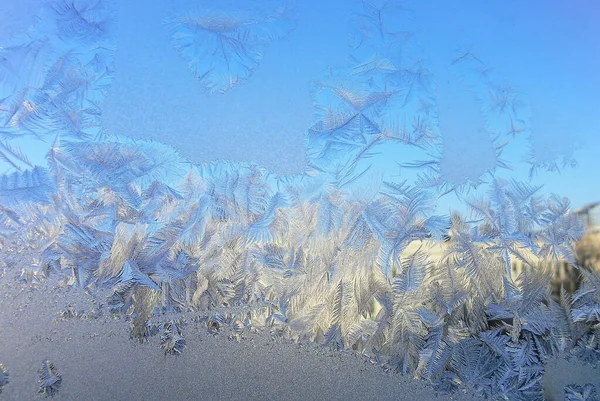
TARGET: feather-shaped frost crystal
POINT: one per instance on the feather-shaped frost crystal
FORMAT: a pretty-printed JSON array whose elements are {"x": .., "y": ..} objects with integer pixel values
[
  {"x": 3, "y": 377},
  {"x": 50, "y": 379},
  {"x": 222, "y": 43},
  {"x": 172, "y": 341},
  {"x": 25, "y": 186},
  {"x": 587, "y": 392}
]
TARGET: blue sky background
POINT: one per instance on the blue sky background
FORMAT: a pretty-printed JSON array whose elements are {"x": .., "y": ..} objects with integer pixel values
[{"x": 548, "y": 51}]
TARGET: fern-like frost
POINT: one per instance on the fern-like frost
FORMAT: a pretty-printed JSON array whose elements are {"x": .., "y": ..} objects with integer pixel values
[
  {"x": 50, "y": 379},
  {"x": 3, "y": 377},
  {"x": 223, "y": 43}
]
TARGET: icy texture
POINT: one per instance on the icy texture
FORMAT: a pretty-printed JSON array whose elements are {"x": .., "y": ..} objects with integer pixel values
[
  {"x": 172, "y": 341},
  {"x": 3, "y": 377},
  {"x": 318, "y": 263},
  {"x": 336, "y": 255},
  {"x": 574, "y": 392},
  {"x": 53, "y": 78},
  {"x": 50, "y": 379},
  {"x": 223, "y": 42}
]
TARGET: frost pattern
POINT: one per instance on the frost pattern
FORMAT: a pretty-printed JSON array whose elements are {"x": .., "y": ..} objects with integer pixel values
[
  {"x": 327, "y": 255},
  {"x": 237, "y": 243},
  {"x": 574, "y": 392},
  {"x": 172, "y": 341},
  {"x": 3, "y": 377},
  {"x": 223, "y": 43},
  {"x": 50, "y": 379}
]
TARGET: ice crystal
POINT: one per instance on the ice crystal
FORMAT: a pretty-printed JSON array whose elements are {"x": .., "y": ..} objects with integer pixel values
[
  {"x": 50, "y": 379},
  {"x": 335, "y": 255},
  {"x": 172, "y": 340},
  {"x": 223, "y": 43},
  {"x": 581, "y": 393},
  {"x": 3, "y": 377}
]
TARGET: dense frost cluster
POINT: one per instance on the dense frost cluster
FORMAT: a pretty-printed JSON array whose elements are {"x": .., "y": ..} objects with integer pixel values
[{"x": 332, "y": 255}]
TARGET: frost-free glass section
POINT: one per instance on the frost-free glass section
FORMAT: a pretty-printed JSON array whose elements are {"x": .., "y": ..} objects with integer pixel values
[{"x": 409, "y": 180}]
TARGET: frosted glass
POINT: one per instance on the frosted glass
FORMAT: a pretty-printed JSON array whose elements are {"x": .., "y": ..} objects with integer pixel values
[{"x": 412, "y": 181}]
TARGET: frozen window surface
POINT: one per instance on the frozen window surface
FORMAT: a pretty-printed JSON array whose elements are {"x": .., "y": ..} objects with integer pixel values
[{"x": 393, "y": 178}]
